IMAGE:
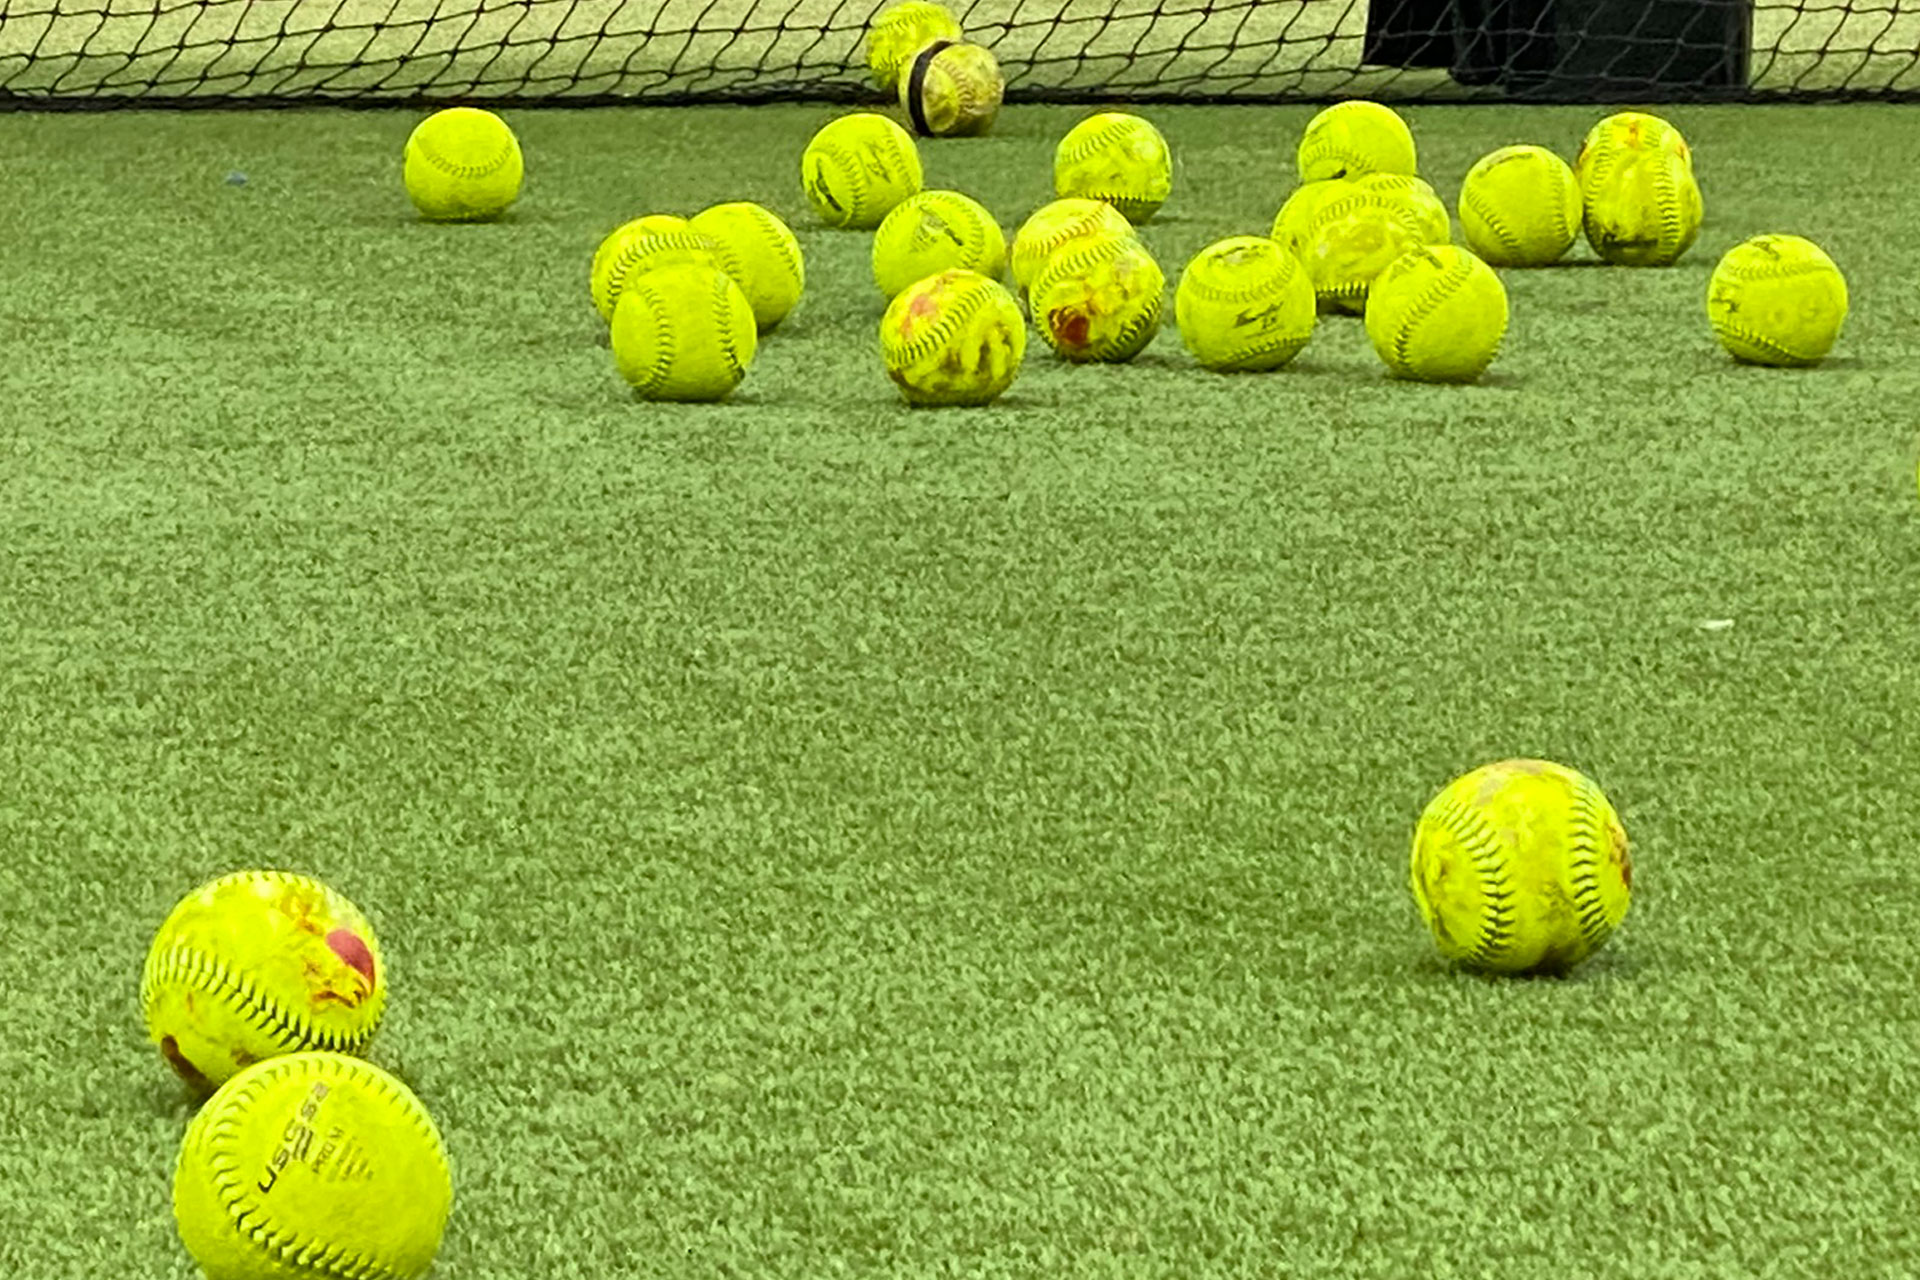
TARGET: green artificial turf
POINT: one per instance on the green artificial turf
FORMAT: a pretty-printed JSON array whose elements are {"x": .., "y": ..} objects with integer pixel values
[{"x": 814, "y": 838}]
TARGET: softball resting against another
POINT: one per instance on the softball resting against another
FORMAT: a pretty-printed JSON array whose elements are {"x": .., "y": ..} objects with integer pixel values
[
  {"x": 952, "y": 90},
  {"x": 258, "y": 964},
  {"x": 683, "y": 332},
  {"x": 1099, "y": 300},
  {"x": 312, "y": 1166},
  {"x": 932, "y": 232},
  {"x": 761, "y": 254},
  {"x": 1055, "y": 225}
]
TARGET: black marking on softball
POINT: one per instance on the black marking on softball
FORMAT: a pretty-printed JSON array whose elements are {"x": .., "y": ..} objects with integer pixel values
[{"x": 917, "y": 82}]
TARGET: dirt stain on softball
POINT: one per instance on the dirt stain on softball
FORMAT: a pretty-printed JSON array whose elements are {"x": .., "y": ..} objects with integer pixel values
[
  {"x": 1068, "y": 327},
  {"x": 170, "y": 1050}
]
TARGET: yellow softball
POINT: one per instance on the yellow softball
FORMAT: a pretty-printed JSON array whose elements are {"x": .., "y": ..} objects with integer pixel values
[
  {"x": 1520, "y": 207},
  {"x": 1118, "y": 158},
  {"x": 683, "y": 332},
  {"x": 257, "y": 964},
  {"x": 762, "y": 255},
  {"x": 599, "y": 287},
  {"x": 902, "y": 30},
  {"x": 1099, "y": 299},
  {"x": 932, "y": 232},
  {"x": 1356, "y": 232},
  {"x": 1641, "y": 208},
  {"x": 952, "y": 90},
  {"x": 1628, "y": 131},
  {"x": 1777, "y": 300},
  {"x": 1244, "y": 304},
  {"x": 857, "y": 168},
  {"x": 1296, "y": 213},
  {"x": 312, "y": 1166},
  {"x": 953, "y": 338},
  {"x": 1414, "y": 201},
  {"x": 1521, "y": 866},
  {"x": 645, "y": 249},
  {"x": 462, "y": 164},
  {"x": 1350, "y": 139},
  {"x": 1055, "y": 225},
  {"x": 1437, "y": 314}
]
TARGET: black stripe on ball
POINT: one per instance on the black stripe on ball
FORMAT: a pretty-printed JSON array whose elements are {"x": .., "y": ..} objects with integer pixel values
[{"x": 917, "y": 83}]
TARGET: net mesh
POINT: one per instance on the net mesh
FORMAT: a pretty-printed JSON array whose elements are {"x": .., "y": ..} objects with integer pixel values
[{"x": 90, "y": 52}]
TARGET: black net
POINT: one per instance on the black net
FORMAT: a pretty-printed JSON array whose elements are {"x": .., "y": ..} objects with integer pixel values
[{"x": 150, "y": 52}]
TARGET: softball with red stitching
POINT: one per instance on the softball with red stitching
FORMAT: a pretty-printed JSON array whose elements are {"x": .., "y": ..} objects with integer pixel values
[
  {"x": 312, "y": 1166},
  {"x": 258, "y": 964}
]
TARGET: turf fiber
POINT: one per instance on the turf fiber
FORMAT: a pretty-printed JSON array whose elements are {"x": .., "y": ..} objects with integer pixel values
[{"x": 815, "y": 838}]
